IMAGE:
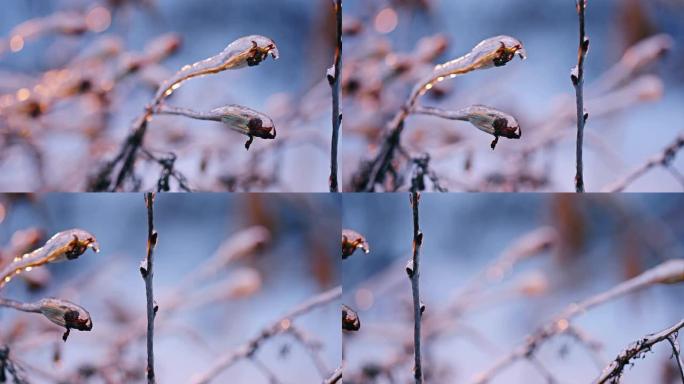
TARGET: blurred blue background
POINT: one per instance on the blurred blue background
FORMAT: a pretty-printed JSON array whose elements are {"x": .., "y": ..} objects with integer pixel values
[
  {"x": 300, "y": 28},
  {"x": 604, "y": 240},
  {"x": 298, "y": 262},
  {"x": 531, "y": 88}
]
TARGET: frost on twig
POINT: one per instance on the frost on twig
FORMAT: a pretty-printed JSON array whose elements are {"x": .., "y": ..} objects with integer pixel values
[
  {"x": 613, "y": 372},
  {"x": 484, "y": 118},
  {"x": 351, "y": 241}
]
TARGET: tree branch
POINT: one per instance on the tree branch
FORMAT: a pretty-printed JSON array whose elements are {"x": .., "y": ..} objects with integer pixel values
[
  {"x": 19, "y": 306},
  {"x": 146, "y": 270},
  {"x": 334, "y": 81},
  {"x": 577, "y": 77},
  {"x": 663, "y": 159},
  {"x": 415, "y": 287},
  {"x": 613, "y": 372}
]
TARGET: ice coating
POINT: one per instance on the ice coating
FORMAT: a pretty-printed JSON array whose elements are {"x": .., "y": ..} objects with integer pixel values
[
  {"x": 243, "y": 52},
  {"x": 65, "y": 245},
  {"x": 492, "y": 52}
]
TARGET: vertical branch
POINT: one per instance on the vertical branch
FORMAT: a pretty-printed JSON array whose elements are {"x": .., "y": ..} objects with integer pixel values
[
  {"x": 334, "y": 80},
  {"x": 577, "y": 77},
  {"x": 672, "y": 339},
  {"x": 146, "y": 270},
  {"x": 415, "y": 275}
]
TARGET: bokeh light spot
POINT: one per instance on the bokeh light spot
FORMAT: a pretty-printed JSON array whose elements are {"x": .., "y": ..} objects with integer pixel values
[{"x": 386, "y": 20}]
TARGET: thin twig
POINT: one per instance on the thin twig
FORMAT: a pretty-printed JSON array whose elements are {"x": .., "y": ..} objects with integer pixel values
[
  {"x": 415, "y": 287},
  {"x": 249, "y": 348},
  {"x": 672, "y": 339},
  {"x": 663, "y": 159},
  {"x": 24, "y": 307},
  {"x": 313, "y": 347},
  {"x": 336, "y": 377},
  {"x": 146, "y": 270},
  {"x": 577, "y": 77},
  {"x": 11, "y": 367},
  {"x": 334, "y": 80},
  {"x": 612, "y": 372}
]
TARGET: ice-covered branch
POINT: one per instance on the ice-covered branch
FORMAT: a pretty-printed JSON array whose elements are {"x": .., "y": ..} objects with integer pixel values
[
  {"x": 577, "y": 77},
  {"x": 661, "y": 159},
  {"x": 613, "y": 372},
  {"x": 334, "y": 81},
  {"x": 147, "y": 272}
]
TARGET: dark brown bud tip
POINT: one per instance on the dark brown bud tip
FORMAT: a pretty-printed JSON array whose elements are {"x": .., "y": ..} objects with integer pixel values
[
  {"x": 350, "y": 319},
  {"x": 409, "y": 268}
]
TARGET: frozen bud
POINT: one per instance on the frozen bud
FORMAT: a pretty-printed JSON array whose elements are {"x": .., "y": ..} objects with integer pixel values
[
  {"x": 351, "y": 241},
  {"x": 251, "y": 50},
  {"x": 243, "y": 52},
  {"x": 422, "y": 308},
  {"x": 65, "y": 245},
  {"x": 66, "y": 314},
  {"x": 489, "y": 53},
  {"x": 494, "y": 122},
  {"x": 236, "y": 117},
  {"x": 350, "y": 319},
  {"x": 497, "y": 51},
  {"x": 493, "y": 52},
  {"x": 574, "y": 75},
  {"x": 409, "y": 268},
  {"x": 484, "y": 118},
  {"x": 71, "y": 244},
  {"x": 246, "y": 121}
]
